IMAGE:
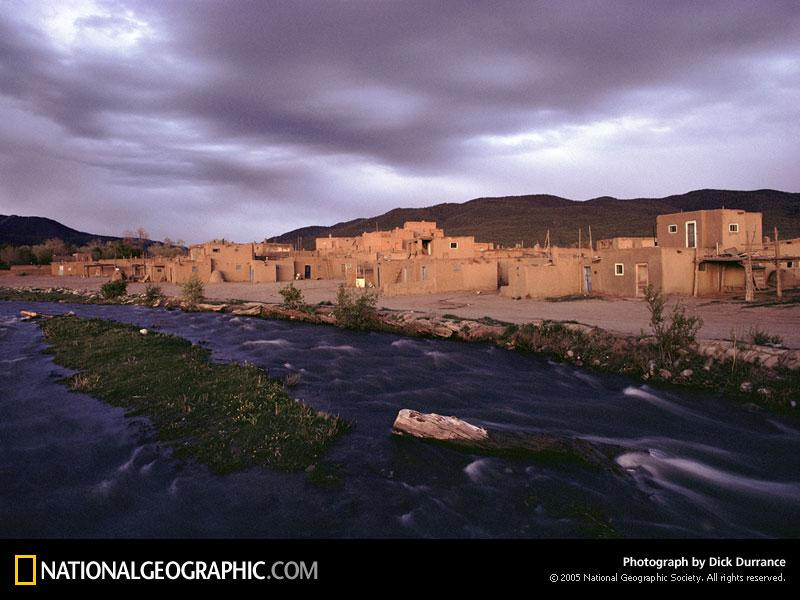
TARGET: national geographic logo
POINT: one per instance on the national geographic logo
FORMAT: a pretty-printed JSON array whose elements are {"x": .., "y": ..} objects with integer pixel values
[
  {"x": 24, "y": 569},
  {"x": 29, "y": 570}
]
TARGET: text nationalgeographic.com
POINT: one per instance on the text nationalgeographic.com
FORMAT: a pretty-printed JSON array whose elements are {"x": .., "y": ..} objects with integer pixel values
[{"x": 159, "y": 570}]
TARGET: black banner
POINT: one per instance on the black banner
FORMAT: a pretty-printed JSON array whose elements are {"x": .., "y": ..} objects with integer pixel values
[{"x": 29, "y": 565}]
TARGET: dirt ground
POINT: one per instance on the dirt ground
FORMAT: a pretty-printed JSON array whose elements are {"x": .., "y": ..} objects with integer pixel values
[{"x": 721, "y": 319}]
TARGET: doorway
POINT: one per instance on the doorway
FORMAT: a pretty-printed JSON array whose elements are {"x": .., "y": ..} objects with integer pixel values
[
  {"x": 587, "y": 280},
  {"x": 307, "y": 272},
  {"x": 642, "y": 279}
]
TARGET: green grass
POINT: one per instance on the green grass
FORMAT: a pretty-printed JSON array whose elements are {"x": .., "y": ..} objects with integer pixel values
[
  {"x": 12, "y": 294},
  {"x": 228, "y": 416}
]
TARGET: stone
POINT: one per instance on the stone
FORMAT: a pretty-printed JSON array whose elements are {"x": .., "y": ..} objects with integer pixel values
[
  {"x": 746, "y": 387},
  {"x": 247, "y": 312},
  {"x": 686, "y": 373},
  {"x": 664, "y": 374},
  {"x": 143, "y": 331},
  {"x": 212, "y": 307}
]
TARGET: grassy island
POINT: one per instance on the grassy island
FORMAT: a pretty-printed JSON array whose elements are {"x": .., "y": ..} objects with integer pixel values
[{"x": 227, "y": 416}]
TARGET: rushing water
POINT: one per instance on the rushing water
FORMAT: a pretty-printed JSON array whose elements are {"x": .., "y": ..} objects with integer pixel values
[{"x": 697, "y": 465}]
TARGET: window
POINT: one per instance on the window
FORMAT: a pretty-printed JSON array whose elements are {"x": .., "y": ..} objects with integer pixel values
[
  {"x": 619, "y": 269},
  {"x": 733, "y": 228},
  {"x": 238, "y": 267},
  {"x": 691, "y": 234},
  {"x": 453, "y": 245},
  {"x": 215, "y": 249},
  {"x": 194, "y": 269},
  {"x": 673, "y": 229},
  {"x": 701, "y": 267},
  {"x": 456, "y": 267},
  {"x": 424, "y": 273},
  {"x": 789, "y": 264}
]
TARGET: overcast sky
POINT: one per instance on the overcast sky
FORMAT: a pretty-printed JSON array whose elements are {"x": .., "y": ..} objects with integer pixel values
[{"x": 248, "y": 119}]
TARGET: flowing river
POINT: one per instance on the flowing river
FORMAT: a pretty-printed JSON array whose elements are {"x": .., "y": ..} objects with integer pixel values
[{"x": 696, "y": 465}]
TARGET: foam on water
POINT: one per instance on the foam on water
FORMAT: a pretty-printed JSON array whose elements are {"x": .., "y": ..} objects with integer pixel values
[
  {"x": 676, "y": 409},
  {"x": 478, "y": 470},
  {"x": 280, "y": 342},
  {"x": 659, "y": 466}
]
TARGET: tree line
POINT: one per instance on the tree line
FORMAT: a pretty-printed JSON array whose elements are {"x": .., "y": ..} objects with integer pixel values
[{"x": 133, "y": 244}]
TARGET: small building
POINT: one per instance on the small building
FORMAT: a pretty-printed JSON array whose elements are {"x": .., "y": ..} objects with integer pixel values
[{"x": 721, "y": 229}]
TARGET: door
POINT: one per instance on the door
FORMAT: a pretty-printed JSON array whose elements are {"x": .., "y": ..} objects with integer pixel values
[
  {"x": 642, "y": 278},
  {"x": 691, "y": 234},
  {"x": 307, "y": 272},
  {"x": 587, "y": 280}
]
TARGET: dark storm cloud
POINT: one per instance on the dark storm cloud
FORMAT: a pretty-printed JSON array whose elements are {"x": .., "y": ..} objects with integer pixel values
[{"x": 265, "y": 116}]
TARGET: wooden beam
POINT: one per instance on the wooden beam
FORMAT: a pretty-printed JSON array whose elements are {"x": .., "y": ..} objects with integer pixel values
[
  {"x": 466, "y": 436},
  {"x": 749, "y": 291},
  {"x": 778, "y": 288}
]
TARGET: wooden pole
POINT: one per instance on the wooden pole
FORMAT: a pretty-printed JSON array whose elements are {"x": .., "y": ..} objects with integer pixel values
[
  {"x": 695, "y": 282},
  {"x": 580, "y": 255},
  {"x": 778, "y": 288},
  {"x": 749, "y": 292},
  {"x": 591, "y": 246}
]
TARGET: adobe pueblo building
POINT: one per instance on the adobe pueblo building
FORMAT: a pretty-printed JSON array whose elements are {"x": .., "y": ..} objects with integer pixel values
[{"x": 701, "y": 253}]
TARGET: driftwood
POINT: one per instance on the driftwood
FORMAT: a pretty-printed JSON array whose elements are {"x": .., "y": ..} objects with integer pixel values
[
  {"x": 455, "y": 432},
  {"x": 28, "y": 315}
]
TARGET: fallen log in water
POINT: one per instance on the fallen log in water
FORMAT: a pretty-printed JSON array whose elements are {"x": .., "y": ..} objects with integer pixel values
[{"x": 466, "y": 436}]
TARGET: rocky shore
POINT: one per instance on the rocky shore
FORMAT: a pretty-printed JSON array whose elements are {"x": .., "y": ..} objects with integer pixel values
[{"x": 752, "y": 374}]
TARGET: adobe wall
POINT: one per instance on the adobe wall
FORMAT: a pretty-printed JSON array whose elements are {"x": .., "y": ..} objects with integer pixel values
[
  {"x": 430, "y": 276},
  {"x": 712, "y": 229},
  {"x": 538, "y": 278}
]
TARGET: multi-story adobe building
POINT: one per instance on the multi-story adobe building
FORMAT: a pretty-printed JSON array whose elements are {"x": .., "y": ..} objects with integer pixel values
[{"x": 705, "y": 253}]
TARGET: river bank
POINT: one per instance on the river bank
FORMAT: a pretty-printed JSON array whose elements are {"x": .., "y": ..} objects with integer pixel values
[
  {"x": 722, "y": 318},
  {"x": 760, "y": 375}
]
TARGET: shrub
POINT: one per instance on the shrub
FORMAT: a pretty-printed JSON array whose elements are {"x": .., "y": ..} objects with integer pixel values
[
  {"x": 292, "y": 380},
  {"x": 152, "y": 293},
  {"x": 671, "y": 336},
  {"x": 192, "y": 291},
  {"x": 114, "y": 289},
  {"x": 292, "y": 297},
  {"x": 760, "y": 337},
  {"x": 355, "y": 311}
]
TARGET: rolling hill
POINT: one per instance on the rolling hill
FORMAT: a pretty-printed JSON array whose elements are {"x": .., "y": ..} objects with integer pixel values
[
  {"x": 514, "y": 219},
  {"x": 19, "y": 231}
]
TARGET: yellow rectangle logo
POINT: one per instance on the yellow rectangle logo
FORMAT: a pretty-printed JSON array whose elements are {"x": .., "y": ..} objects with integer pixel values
[{"x": 31, "y": 580}]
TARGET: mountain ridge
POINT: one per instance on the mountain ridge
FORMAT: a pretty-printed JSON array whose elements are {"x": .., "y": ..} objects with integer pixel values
[
  {"x": 511, "y": 219},
  {"x": 19, "y": 230}
]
